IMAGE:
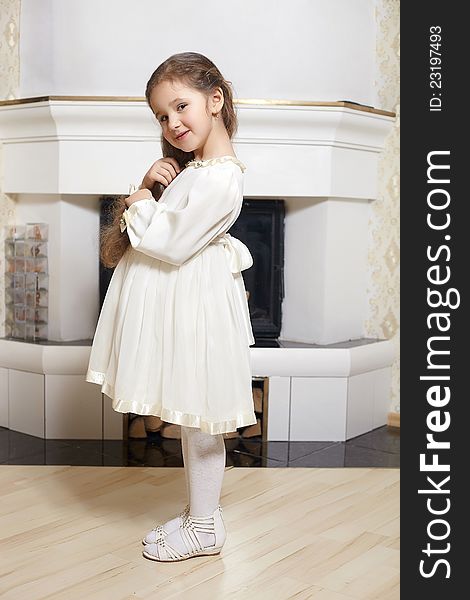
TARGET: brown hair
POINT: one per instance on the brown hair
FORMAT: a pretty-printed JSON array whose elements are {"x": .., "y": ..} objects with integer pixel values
[{"x": 198, "y": 72}]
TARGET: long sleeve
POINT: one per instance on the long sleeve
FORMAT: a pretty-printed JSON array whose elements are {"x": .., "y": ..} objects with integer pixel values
[{"x": 174, "y": 236}]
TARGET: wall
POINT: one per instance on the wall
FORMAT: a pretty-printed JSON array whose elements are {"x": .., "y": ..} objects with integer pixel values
[
  {"x": 303, "y": 49},
  {"x": 384, "y": 246},
  {"x": 9, "y": 89}
]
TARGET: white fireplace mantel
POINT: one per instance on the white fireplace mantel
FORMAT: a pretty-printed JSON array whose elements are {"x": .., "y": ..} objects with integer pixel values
[
  {"x": 61, "y": 154},
  {"x": 57, "y": 145}
]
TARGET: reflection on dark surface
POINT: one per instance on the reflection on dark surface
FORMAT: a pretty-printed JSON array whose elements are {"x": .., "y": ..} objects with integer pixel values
[{"x": 377, "y": 448}]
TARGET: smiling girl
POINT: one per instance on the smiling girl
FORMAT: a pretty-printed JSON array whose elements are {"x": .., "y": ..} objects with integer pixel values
[{"x": 173, "y": 336}]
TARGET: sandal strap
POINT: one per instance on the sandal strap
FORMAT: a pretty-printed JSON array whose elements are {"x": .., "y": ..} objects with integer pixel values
[
  {"x": 159, "y": 528},
  {"x": 189, "y": 529}
]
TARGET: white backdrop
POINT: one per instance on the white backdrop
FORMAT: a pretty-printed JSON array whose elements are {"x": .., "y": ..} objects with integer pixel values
[{"x": 298, "y": 50}]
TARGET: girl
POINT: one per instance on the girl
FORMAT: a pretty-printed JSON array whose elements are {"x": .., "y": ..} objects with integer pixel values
[{"x": 173, "y": 335}]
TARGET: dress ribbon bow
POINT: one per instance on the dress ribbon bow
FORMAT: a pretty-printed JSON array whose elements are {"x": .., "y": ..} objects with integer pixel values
[{"x": 237, "y": 252}]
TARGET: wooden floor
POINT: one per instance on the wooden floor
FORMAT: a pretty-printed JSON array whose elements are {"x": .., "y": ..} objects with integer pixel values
[{"x": 75, "y": 533}]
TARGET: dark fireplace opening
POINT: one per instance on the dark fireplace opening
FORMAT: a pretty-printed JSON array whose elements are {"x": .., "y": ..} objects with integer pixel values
[{"x": 260, "y": 226}]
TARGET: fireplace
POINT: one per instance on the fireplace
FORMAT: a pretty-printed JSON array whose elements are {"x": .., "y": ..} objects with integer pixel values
[
  {"x": 318, "y": 161},
  {"x": 260, "y": 226}
]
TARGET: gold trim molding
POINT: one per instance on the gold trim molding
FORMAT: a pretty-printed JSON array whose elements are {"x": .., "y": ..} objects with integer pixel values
[{"x": 239, "y": 101}]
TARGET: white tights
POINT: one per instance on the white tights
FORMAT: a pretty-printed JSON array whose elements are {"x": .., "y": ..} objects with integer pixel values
[{"x": 204, "y": 465}]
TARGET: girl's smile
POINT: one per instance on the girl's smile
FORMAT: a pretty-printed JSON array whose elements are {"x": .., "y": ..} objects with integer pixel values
[{"x": 182, "y": 135}]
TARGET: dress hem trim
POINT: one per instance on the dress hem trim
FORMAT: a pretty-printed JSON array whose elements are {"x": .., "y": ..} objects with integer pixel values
[{"x": 171, "y": 416}]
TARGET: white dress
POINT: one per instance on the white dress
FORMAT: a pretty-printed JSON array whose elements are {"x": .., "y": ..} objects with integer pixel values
[{"x": 174, "y": 332}]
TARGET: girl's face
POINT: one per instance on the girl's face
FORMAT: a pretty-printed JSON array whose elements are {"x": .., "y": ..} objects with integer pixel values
[{"x": 183, "y": 110}]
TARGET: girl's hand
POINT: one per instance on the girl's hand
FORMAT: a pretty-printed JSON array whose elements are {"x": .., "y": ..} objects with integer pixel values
[
  {"x": 137, "y": 195},
  {"x": 163, "y": 171}
]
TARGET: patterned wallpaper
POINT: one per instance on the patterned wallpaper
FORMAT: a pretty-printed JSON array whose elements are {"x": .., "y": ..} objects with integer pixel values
[
  {"x": 9, "y": 89},
  {"x": 384, "y": 248},
  {"x": 384, "y": 226}
]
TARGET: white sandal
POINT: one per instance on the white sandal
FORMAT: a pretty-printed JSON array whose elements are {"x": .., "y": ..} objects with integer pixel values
[
  {"x": 191, "y": 526},
  {"x": 158, "y": 532}
]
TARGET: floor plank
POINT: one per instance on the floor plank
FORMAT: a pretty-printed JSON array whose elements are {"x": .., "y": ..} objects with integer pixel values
[{"x": 75, "y": 532}]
